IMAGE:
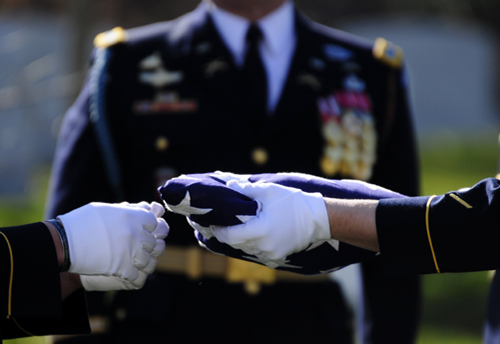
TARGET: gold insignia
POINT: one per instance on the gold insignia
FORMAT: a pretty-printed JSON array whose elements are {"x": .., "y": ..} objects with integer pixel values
[
  {"x": 162, "y": 143},
  {"x": 109, "y": 38},
  {"x": 388, "y": 53},
  {"x": 260, "y": 156}
]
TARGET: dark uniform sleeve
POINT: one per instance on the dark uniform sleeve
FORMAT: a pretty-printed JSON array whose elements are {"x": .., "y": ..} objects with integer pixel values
[
  {"x": 455, "y": 232},
  {"x": 30, "y": 289}
]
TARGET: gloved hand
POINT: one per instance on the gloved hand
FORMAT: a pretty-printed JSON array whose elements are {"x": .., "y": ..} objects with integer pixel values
[
  {"x": 289, "y": 221},
  {"x": 117, "y": 240},
  {"x": 275, "y": 219}
]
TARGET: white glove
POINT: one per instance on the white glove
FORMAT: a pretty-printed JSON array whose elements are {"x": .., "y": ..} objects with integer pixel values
[
  {"x": 116, "y": 240},
  {"x": 289, "y": 221},
  {"x": 160, "y": 232}
]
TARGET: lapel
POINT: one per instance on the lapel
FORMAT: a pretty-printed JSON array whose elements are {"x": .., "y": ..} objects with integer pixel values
[
  {"x": 304, "y": 82},
  {"x": 210, "y": 65}
]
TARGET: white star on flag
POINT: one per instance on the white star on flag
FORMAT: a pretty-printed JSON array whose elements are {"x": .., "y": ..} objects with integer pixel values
[
  {"x": 272, "y": 263},
  {"x": 333, "y": 243},
  {"x": 185, "y": 208}
]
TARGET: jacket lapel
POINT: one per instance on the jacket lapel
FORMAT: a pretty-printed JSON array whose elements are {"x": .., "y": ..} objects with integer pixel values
[
  {"x": 304, "y": 83},
  {"x": 210, "y": 66}
]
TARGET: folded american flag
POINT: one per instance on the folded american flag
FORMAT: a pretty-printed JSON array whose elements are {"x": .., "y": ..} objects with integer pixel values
[{"x": 207, "y": 201}]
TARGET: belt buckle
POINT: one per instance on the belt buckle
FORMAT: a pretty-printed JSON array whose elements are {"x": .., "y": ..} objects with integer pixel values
[{"x": 252, "y": 275}]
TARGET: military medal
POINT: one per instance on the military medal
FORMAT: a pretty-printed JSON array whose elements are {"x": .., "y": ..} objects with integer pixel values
[{"x": 349, "y": 132}]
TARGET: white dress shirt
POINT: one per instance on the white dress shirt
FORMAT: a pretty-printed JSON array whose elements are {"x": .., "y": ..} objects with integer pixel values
[{"x": 276, "y": 48}]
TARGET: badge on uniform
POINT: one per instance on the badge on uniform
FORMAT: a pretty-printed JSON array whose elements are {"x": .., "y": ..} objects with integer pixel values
[
  {"x": 335, "y": 52},
  {"x": 165, "y": 102},
  {"x": 154, "y": 73}
]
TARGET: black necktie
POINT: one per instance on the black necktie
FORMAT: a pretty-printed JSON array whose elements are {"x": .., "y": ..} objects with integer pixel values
[{"x": 254, "y": 74}]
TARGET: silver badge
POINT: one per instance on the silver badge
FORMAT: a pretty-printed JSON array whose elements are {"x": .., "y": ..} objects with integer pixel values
[{"x": 155, "y": 74}]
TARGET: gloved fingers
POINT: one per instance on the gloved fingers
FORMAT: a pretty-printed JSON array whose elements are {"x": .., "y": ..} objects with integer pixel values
[
  {"x": 237, "y": 237},
  {"x": 140, "y": 214},
  {"x": 97, "y": 283},
  {"x": 139, "y": 282},
  {"x": 148, "y": 227},
  {"x": 150, "y": 268},
  {"x": 261, "y": 236},
  {"x": 131, "y": 271},
  {"x": 263, "y": 191},
  {"x": 159, "y": 248},
  {"x": 107, "y": 283},
  {"x": 157, "y": 209},
  {"x": 162, "y": 229},
  {"x": 141, "y": 259},
  {"x": 144, "y": 205},
  {"x": 239, "y": 234},
  {"x": 227, "y": 176},
  {"x": 102, "y": 283},
  {"x": 148, "y": 240}
]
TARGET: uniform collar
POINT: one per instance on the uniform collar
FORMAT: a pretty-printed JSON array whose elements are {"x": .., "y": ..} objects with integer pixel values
[{"x": 278, "y": 29}]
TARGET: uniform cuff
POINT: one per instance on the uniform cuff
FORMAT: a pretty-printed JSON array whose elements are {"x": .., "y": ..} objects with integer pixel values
[{"x": 403, "y": 240}]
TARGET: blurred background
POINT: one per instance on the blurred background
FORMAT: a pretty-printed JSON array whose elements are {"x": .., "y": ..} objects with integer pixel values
[{"x": 451, "y": 50}]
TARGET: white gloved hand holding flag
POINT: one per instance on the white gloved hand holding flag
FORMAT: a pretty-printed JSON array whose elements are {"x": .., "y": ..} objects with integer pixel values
[
  {"x": 115, "y": 245},
  {"x": 278, "y": 220}
]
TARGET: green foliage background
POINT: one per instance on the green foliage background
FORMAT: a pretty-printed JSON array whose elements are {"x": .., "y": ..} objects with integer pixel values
[{"x": 454, "y": 304}]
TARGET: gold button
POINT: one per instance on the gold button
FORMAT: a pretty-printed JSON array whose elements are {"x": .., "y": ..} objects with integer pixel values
[
  {"x": 260, "y": 156},
  {"x": 162, "y": 143}
]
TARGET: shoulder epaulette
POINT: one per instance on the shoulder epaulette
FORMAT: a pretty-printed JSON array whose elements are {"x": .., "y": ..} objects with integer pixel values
[
  {"x": 110, "y": 38},
  {"x": 388, "y": 53}
]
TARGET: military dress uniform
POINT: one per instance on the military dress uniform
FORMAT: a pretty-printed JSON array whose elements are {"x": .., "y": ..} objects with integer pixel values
[
  {"x": 30, "y": 287},
  {"x": 454, "y": 232},
  {"x": 167, "y": 99}
]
